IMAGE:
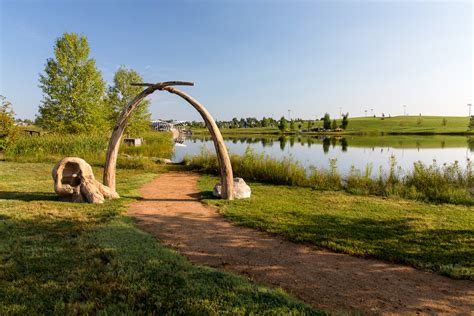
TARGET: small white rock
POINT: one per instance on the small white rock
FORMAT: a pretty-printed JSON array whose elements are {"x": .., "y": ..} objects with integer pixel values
[{"x": 241, "y": 189}]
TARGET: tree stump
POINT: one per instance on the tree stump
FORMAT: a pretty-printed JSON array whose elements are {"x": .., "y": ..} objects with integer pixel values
[{"x": 74, "y": 181}]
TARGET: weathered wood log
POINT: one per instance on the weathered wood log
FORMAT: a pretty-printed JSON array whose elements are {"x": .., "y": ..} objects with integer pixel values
[
  {"x": 74, "y": 181},
  {"x": 227, "y": 177},
  {"x": 117, "y": 133}
]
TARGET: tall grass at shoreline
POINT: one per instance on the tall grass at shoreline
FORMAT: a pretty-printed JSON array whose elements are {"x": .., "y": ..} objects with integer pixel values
[
  {"x": 448, "y": 183},
  {"x": 92, "y": 148}
]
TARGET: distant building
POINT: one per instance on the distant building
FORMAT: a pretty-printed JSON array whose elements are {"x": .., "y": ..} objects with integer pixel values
[
  {"x": 160, "y": 125},
  {"x": 133, "y": 141}
]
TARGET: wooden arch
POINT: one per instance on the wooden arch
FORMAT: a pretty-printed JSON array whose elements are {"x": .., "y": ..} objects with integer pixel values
[{"x": 117, "y": 133}]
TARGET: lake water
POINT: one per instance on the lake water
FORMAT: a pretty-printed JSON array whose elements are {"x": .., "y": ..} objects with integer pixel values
[{"x": 357, "y": 151}]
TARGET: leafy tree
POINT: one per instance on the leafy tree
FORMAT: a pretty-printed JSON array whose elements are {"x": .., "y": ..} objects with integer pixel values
[
  {"x": 120, "y": 94},
  {"x": 471, "y": 122},
  {"x": 444, "y": 122},
  {"x": 7, "y": 123},
  {"x": 292, "y": 125},
  {"x": 327, "y": 121},
  {"x": 266, "y": 122},
  {"x": 73, "y": 88},
  {"x": 235, "y": 122},
  {"x": 334, "y": 124},
  {"x": 345, "y": 121},
  {"x": 283, "y": 124}
]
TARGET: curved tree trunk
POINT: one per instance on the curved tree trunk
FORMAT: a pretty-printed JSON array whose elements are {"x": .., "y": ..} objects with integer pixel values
[
  {"x": 117, "y": 133},
  {"x": 227, "y": 178}
]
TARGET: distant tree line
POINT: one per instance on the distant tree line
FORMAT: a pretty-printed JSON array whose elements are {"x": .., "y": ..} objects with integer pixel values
[{"x": 283, "y": 124}]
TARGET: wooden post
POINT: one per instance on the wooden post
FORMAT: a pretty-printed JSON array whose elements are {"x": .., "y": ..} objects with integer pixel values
[{"x": 117, "y": 133}]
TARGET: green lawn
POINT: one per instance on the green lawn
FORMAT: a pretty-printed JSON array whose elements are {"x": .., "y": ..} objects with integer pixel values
[
  {"x": 409, "y": 124},
  {"x": 427, "y": 236},
  {"x": 64, "y": 258}
]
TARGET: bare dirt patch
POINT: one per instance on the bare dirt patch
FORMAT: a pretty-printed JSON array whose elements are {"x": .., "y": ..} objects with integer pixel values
[{"x": 170, "y": 210}]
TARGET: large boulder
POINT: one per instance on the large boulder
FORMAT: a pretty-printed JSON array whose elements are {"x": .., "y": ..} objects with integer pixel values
[
  {"x": 241, "y": 189},
  {"x": 74, "y": 181}
]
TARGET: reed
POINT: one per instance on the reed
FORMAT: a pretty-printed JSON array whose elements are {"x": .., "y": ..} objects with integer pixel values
[
  {"x": 432, "y": 183},
  {"x": 92, "y": 148}
]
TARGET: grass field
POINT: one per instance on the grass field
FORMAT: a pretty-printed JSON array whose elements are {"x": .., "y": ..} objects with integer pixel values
[
  {"x": 60, "y": 258},
  {"x": 371, "y": 125},
  {"x": 409, "y": 124},
  {"x": 430, "y": 237}
]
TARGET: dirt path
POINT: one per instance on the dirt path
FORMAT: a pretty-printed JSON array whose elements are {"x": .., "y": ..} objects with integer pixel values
[{"x": 172, "y": 212}]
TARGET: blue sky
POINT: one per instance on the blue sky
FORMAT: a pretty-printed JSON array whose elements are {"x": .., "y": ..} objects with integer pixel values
[{"x": 257, "y": 58}]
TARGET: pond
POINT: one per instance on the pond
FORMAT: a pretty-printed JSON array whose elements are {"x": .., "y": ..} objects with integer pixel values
[{"x": 357, "y": 151}]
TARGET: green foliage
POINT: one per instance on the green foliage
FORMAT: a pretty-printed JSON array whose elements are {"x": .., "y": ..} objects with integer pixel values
[
  {"x": 345, "y": 121},
  {"x": 88, "y": 259},
  {"x": 73, "y": 89},
  {"x": 427, "y": 236},
  {"x": 391, "y": 125},
  {"x": 334, "y": 124},
  {"x": 8, "y": 131},
  {"x": 471, "y": 122},
  {"x": 292, "y": 125},
  {"x": 263, "y": 168},
  {"x": 91, "y": 147},
  {"x": 120, "y": 94},
  {"x": 327, "y": 121},
  {"x": 442, "y": 184},
  {"x": 446, "y": 184},
  {"x": 283, "y": 124}
]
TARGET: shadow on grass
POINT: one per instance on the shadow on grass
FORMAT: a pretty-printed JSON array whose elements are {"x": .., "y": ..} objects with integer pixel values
[
  {"x": 445, "y": 251},
  {"x": 28, "y": 196},
  {"x": 207, "y": 195},
  {"x": 348, "y": 281},
  {"x": 116, "y": 269}
]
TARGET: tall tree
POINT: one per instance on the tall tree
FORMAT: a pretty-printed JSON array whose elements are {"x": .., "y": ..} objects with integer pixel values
[
  {"x": 73, "y": 89},
  {"x": 120, "y": 94},
  {"x": 292, "y": 125},
  {"x": 283, "y": 124},
  {"x": 345, "y": 121},
  {"x": 327, "y": 121},
  {"x": 471, "y": 122}
]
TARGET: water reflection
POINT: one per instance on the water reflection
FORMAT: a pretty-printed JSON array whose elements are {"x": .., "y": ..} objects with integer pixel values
[
  {"x": 344, "y": 142},
  {"x": 348, "y": 150}
]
